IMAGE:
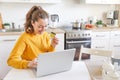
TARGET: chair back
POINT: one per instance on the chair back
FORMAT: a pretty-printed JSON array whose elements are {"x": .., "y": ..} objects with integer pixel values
[{"x": 105, "y": 53}]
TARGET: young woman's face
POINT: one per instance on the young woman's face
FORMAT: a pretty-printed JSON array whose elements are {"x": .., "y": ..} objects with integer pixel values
[{"x": 40, "y": 26}]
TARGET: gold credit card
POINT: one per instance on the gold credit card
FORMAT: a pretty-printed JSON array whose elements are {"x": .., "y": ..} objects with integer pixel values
[{"x": 52, "y": 34}]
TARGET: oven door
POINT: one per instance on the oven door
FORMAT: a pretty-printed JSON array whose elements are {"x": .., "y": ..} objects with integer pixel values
[{"x": 77, "y": 45}]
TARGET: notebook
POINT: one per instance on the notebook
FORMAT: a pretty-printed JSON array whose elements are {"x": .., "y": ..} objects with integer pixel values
[{"x": 55, "y": 62}]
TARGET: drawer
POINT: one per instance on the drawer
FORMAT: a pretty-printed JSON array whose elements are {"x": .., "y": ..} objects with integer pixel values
[
  {"x": 100, "y": 35},
  {"x": 96, "y": 44},
  {"x": 9, "y": 38},
  {"x": 115, "y": 34}
]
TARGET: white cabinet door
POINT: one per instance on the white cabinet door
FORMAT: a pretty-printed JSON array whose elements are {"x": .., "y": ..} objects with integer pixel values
[
  {"x": 100, "y": 35},
  {"x": 115, "y": 43},
  {"x": 10, "y": 0},
  {"x": 100, "y": 44},
  {"x": 115, "y": 1},
  {"x": 103, "y": 1},
  {"x": 32, "y": 1},
  {"x": 100, "y": 40},
  {"x": 49, "y": 1},
  {"x": 93, "y": 1},
  {"x": 115, "y": 34},
  {"x": 15, "y": 0},
  {"x": 115, "y": 47},
  {"x": 6, "y": 45},
  {"x": 60, "y": 37}
]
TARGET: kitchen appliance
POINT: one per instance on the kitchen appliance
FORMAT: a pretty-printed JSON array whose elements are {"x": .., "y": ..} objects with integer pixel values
[
  {"x": 115, "y": 17},
  {"x": 75, "y": 39},
  {"x": 112, "y": 18},
  {"x": 54, "y": 19}
]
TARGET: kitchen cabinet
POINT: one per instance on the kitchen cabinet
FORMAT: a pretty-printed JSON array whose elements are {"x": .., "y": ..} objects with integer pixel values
[
  {"x": 102, "y": 1},
  {"x": 93, "y": 1},
  {"x": 115, "y": 43},
  {"x": 60, "y": 35},
  {"x": 100, "y": 40},
  {"x": 6, "y": 44},
  {"x": 107, "y": 40},
  {"x": 60, "y": 46},
  {"x": 31, "y": 1}
]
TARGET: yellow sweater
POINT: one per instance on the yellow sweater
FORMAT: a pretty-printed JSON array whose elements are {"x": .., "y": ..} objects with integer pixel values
[{"x": 27, "y": 48}]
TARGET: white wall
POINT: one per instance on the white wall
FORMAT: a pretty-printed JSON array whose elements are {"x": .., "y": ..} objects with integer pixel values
[{"x": 68, "y": 10}]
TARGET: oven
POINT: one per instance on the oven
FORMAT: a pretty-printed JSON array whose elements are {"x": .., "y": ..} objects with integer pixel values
[{"x": 76, "y": 38}]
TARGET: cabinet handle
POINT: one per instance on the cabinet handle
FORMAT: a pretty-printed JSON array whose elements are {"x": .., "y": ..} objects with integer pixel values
[
  {"x": 100, "y": 35},
  {"x": 116, "y": 45},
  {"x": 100, "y": 47},
  {"x": 7, "y": 40},
  {"x": 70, "y": 42}
]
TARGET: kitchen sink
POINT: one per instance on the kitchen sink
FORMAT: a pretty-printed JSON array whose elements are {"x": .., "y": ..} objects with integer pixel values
[{"x": 11, "y": 30}]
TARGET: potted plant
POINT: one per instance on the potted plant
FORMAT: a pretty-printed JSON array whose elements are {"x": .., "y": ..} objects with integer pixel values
[
  {"x": 6, "y": 25},
  {"x": 99, "y": 23}
]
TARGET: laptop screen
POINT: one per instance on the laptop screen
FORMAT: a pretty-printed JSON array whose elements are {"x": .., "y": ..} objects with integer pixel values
[{"x": 54, "y": 62}]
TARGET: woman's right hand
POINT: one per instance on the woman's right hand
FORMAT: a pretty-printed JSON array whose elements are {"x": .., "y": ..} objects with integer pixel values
[
  {"x": 54, "y": 42},
  {"x": 32, "y": 64}
]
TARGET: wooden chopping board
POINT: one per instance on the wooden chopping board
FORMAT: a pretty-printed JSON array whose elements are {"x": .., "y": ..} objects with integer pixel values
[{"x": 1, "y": 27}]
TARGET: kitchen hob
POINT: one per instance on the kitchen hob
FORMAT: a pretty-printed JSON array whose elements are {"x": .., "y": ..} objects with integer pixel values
[{"x": 76, "y": 33}]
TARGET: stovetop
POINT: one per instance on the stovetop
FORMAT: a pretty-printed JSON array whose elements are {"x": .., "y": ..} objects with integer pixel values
[{"x": 76, "y": 33}]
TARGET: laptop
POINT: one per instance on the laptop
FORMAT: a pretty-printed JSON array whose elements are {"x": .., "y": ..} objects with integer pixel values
[{"x": 55, "y": 62}]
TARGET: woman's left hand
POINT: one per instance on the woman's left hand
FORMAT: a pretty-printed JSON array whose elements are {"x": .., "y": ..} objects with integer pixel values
[
  {"x": 54, "y": 41},
  {"x": 32, "y": 64}
]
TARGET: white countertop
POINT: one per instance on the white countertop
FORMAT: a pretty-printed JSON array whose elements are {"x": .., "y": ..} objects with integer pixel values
[
  {"x": 106, "y": 29},
  {"x": 79, "y": 71},
  {"x": 55, "y": 30}
]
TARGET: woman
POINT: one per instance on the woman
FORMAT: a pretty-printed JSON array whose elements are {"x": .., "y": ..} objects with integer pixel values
[{"x": 34, "y": 41}]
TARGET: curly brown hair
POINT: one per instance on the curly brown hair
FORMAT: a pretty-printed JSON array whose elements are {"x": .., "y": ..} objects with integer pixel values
[{"x": 33, "y": 15}]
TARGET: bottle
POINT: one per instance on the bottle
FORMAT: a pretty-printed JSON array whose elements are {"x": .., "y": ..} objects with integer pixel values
[
  {"x": 13, "y": 25},
  {"x": 82, "y": 24}
]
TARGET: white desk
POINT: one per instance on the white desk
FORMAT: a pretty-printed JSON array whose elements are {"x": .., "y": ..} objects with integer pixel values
[{"x": 79, "y": 71}]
